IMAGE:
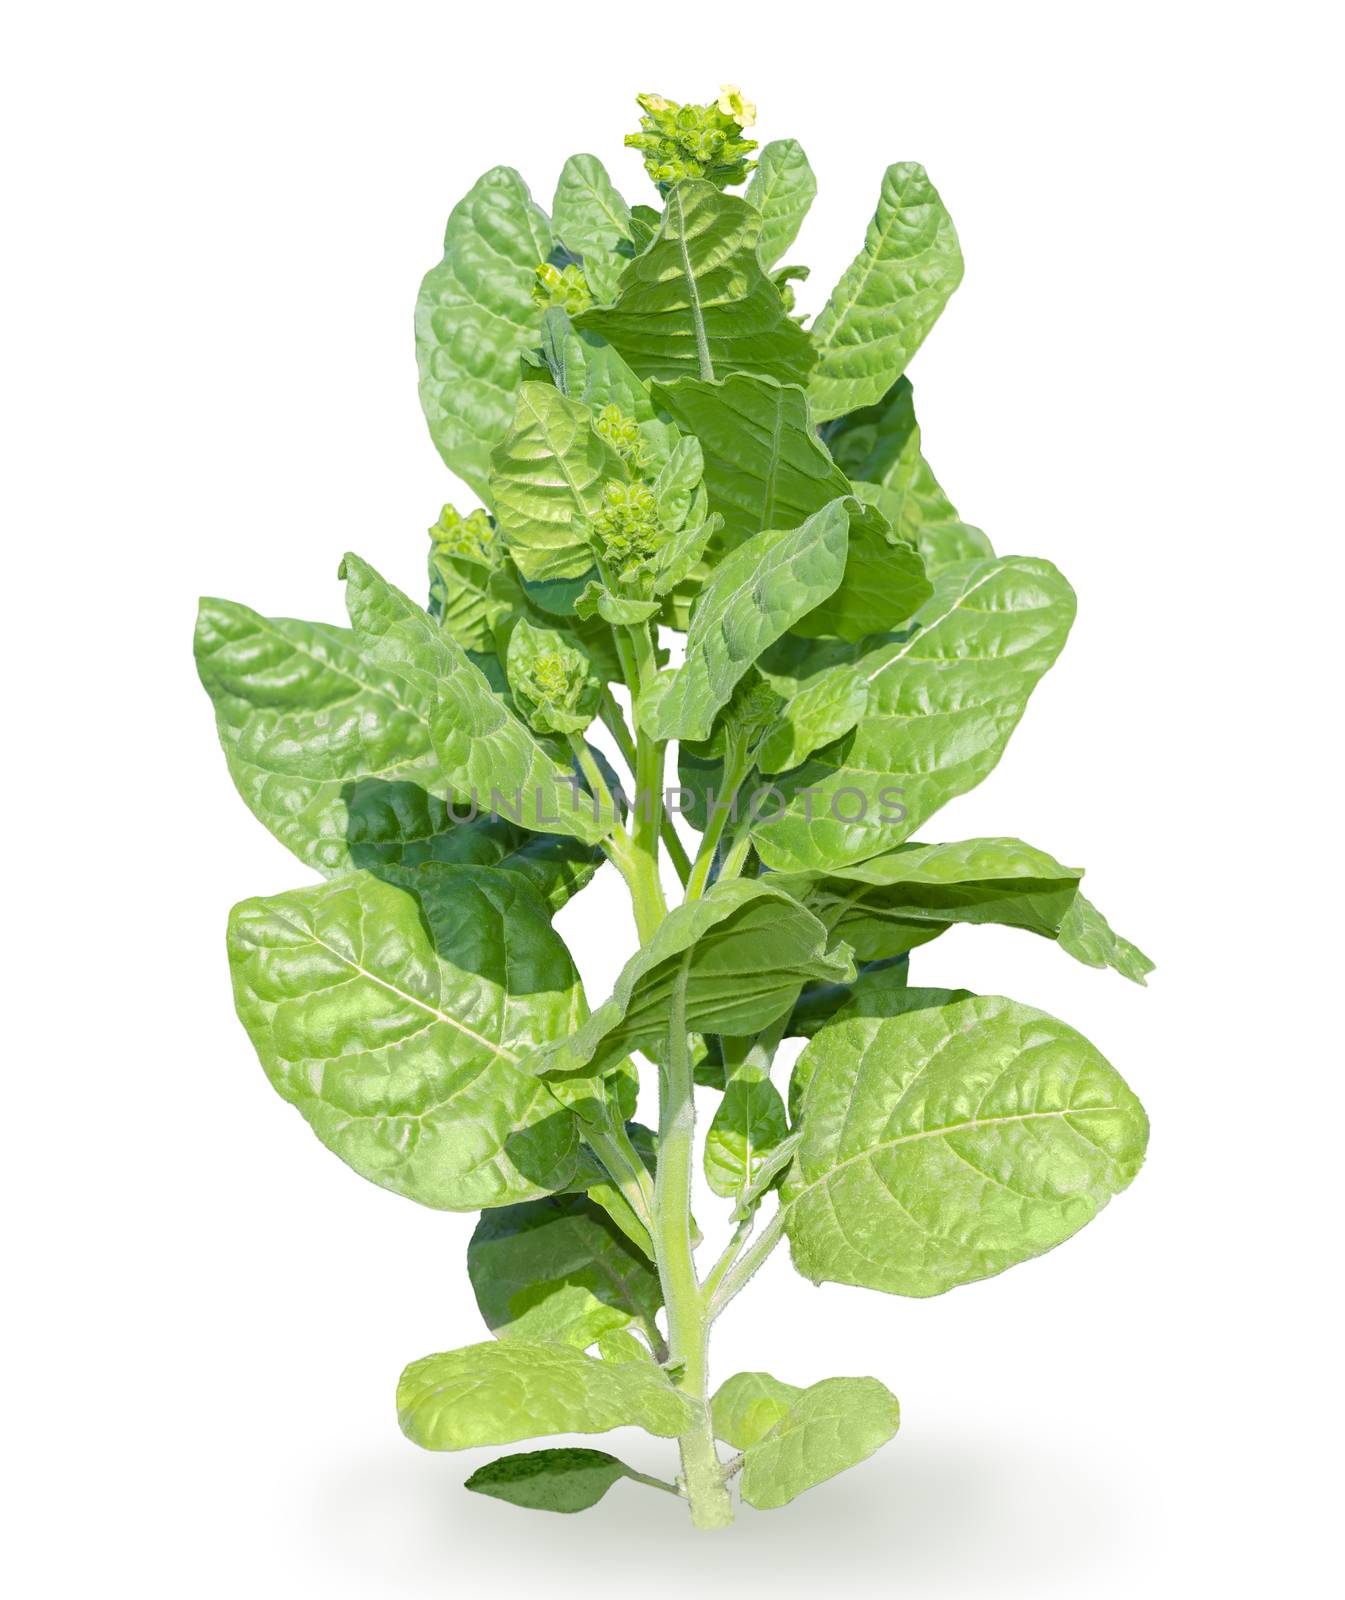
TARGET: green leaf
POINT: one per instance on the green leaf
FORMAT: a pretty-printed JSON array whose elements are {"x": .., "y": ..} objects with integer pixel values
[
  {"x": 889, "y": 297},
  {"x": 782, "y": 189},
  {"x": 547, "y": 479},
  {"x": 753, "y": 596},
  {"x": 697, "y": 302},
  {"x": 941, "y": 701},
  {"x": 588, "y": 214},
  {"x": 559, "y": 1269},
  {"x": 749, "y": 1124},
  {"x": 616, "y": 609},
  {"x": 588, "y": 369},
  {"x": 1087, "y": 935},
  {"x": 878, "y": 446},
  {"x": 553, "y": 682},
  {"x": 945, "y": 1144},
  {"x": 487, "y": 755},
  {"x": 475, "y": 317},
  {"x": 823, "y": 697},
  {"x": 748, "y": 950},
  {"x": 549, "y": 1480},
  {"x": 498, "y": 1392},
  {"x": 304, "y": 717},
  {"x": 398, "y": 827},
  {"x": 396, "y": 1023},
  {"x": 748, "y": 1405},
  {"x": 833, "y": 1425}
]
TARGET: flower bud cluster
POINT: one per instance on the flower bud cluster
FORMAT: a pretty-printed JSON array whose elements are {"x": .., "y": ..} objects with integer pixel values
[
  {"x": 566, "y": 287},
  {"x": 686, "y": 141}
]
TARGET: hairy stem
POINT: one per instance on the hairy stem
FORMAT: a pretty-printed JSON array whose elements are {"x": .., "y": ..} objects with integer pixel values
[{"x": 688, "y": 1322}]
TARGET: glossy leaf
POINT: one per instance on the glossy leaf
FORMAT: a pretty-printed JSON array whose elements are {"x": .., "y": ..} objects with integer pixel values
[
  {"x": 549, "y": 1480},
  {"x": 832, "y": 1426},
  {"x": 755, "y": 593},
  {"x": 498, "y": 1392},
  {"x": 560, "y": 1269},
  {"x": 475, "y": 316},
  {"x": 547, "y": 479},
  {"x": 940, "y": 703},
  {"x": 697, "y": 302},
  {"x": 487, "y": 756},
  {"x": 396, "y": 1024},
  {"x": 782, "y": 189},
  {"x": 747, "y": 948},
  {"x": 947, "y": 1143},
  {"x": 889, "y": 297}
]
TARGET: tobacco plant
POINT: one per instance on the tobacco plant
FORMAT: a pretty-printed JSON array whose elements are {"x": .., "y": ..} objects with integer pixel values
[{"x": 705, "y": 525}]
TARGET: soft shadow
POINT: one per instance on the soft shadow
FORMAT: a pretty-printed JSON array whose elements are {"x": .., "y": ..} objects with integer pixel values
[{"x": 952, "y": 1517}]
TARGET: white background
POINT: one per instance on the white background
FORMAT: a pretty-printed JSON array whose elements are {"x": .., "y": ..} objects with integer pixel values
[{"x": 218, "y": 217}]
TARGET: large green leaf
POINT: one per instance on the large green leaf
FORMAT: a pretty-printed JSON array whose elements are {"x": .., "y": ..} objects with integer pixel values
[
  {"x": 396, "y": 1022},
  {"x": 560, "y": 1269},
  {"x": 782, "y": 189},
  {"x": 945, "y": 1143},
  {"x": 892, "y": 903},
  {"x": 878, "y": 446},
  {"x": 399, "y": 827},
  {"x": 304, "y": 715},
  {"x": 588, "y": 215},
  {"x": 547, "y": 479},
  {"x": 940, "y": 702},
  {"x": 475, "y": 317},
  {"x": 495, "y": 1393},
  {"x": 564, "y": 1480},
  {"x": 752, "y": 597},
  {"x": 764, "y": 468},
  {"x": 747, "y": 950},
  {"x": 488, "y": 757},
  {"x": 889, "y": 297},
  {"x": 697, "y": 302},
  {"x": 832, "y": 1426}
]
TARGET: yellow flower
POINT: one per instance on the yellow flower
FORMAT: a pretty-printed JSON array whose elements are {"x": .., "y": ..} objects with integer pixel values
[{"x": 732, "y": 104}]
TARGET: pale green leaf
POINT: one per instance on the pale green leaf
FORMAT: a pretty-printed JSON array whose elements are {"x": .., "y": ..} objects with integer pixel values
[
  {"x": 588, "y": 214},
  {"x": 748, "y": 1405},
  {"x": 752, "y": 597},
  {"x": 782, "y": 189},
  {"x": 941, "y": 701},
  {"x": 947, "y": 1143},
  {"x": 1087, "y": 935},
  {"x": 396, "y": 1023},
  {"x": 889, "y": 297},
  {"x": 498, "y": 1392},
  {"x": 832, "y": 1426},
  {"x": 475, "y": 317},
  {"x": 697, "y": 302},
  {"x": 747, "y": 950},
  {"x": 749, "y": 1125}
]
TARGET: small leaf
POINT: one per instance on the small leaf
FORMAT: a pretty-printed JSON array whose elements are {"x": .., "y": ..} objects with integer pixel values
[
  {"x": 496, "y": 1393},
  {"x": 749, "y": 1123},
  {"x": 549, "y": 1480},
  {"x": 588, "y": 214},
  {"x": 782, "y": 189},
  {"x": 748, "y": 1405},
  {"x": 697, "y": 301},
  {"x": 889, "y": 297},
  {"x": 832, "y": 1426},
  {"x": 952, "y": 1139}
]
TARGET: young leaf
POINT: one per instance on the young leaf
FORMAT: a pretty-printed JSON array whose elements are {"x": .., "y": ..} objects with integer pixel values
[
  {"x": 748, "y": 951},
  {"x": 748, "y": 1405},
  {"x": 547, "y": 480},
  {"x": 889, "y": 297},
  {"x": 753, "y": 596},
  {"x": 878, "y": 447},
  {"x": 588, "y": 214},
  {"x": 559, "y": 1269},
  {"x": 496, "y": 1393},
  {"x": 396, "y": 1023},
  {"x": 945, "y": 1144},
  {"x": 475, "y": 316},
  {"x": 487, "y": 755},
  {"x": 749, "y": 1124},
  {"x": 549, "y": 1480},
  {"x": 697, "y": 302},
  {"x": 833, "y": 1425},
  {"x": 940, "y": 703},
  {"x": 782, "y": 189},
  {"x": 305, "y": 717}
]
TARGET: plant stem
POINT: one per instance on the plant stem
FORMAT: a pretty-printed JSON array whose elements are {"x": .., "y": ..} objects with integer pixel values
[
  {"x": 724, "y": 810},
  {"x": 688, "y": 1322},
  {"x": 615, "y": 723},
  {"x": 736, "y": 1278}
]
